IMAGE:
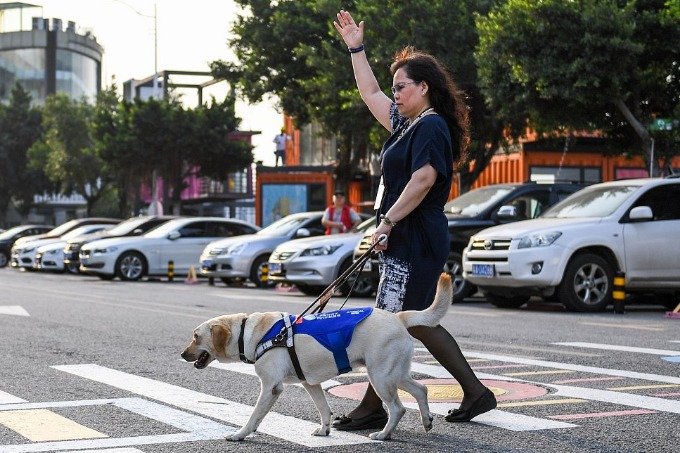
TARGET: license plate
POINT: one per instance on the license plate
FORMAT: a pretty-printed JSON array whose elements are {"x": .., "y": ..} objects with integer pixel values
[
  {"x": 485, "y": 270},
  {"x": 275, "y": 268},
  {"x": 368, "y": 266},
  {"x": 206, "y": 263}
]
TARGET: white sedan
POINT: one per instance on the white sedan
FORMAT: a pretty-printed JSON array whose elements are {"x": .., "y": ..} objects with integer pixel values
[
  {"x": 24, "y": 254},
  {"x": 178, "y": 241}
]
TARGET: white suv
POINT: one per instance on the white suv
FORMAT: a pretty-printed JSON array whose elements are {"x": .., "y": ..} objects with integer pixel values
[{"x": 572, "y": 252}]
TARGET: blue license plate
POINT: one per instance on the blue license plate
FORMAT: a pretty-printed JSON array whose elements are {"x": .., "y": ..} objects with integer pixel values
[
  {"x": 275, "y": 268},
  {"x": 484, "y": 270},
  {"x": 206, "y": 263}
]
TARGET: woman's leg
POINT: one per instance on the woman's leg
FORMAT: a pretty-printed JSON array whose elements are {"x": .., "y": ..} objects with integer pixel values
[{"x": 445, "y": 350}]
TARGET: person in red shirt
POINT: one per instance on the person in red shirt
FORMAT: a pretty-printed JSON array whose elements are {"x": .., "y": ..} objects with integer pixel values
[{"x": 339, "y": 217}]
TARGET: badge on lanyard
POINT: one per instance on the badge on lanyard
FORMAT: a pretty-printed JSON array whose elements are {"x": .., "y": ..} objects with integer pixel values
[{"x": 379, "y": 195}]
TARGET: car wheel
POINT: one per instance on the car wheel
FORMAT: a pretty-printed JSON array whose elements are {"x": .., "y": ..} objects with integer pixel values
[
  {"x": 4, "y": 259},
  {"x": 461, "y": 288},
  {"x": 587, "y": 283},
  {"x": 258, "y": 274},
  {"x": 72, "y": 268},
  {"x": 130, "y": 266},
  {"x": 360, "y": 283},
  {"x": 505, "y": 301},
  {"x": 309, "y": 290}
]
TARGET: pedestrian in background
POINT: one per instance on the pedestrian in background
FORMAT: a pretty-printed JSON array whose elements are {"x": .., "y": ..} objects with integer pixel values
[
  {"x": 339, "y": 217},
  {"x": 281, "y": 140}
]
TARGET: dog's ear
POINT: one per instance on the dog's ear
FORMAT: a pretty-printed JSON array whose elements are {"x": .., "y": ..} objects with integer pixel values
[{"x": 220, "y": 337}]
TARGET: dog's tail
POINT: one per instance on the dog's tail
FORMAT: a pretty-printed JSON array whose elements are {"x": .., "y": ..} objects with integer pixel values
[{"x": 434, "y": 313}]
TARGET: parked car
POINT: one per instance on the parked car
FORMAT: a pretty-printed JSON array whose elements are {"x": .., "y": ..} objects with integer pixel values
[
  {"x": 134, "y": 226},
  {"x": 179, "y": 241},
  {"x": 8, "y": 237},
  {"x": 481, "y": 208},
  {"x": 243, "y": 258},
  {"x": 572, "y": 252},
  {"x": 312, "y": 264},
  {"x": 24, "y": 255},
  {"x": 68, "y": 226}
]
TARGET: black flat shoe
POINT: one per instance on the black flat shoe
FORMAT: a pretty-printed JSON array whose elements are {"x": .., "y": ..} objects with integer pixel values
[
  {"x": 375, "y": 420},
  {"x": 483, "y": 404}
]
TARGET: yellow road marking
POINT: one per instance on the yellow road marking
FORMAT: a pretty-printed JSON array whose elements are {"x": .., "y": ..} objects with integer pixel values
[
  {"x": 604, "y": 324},
  {"x": 532, "y": 373},
  {"x": 42, "y": 425},
  {"x": 643, "y": 387},
  {"x": 541, "y": 403}
]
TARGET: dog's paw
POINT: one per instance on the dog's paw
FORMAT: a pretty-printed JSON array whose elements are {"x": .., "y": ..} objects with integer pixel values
[
  {"x": 236, "y": 437},
  {"x": 427, "y": 423},
  {"x": 380, "y": 435},
  {"x": 322, "y": 431}
]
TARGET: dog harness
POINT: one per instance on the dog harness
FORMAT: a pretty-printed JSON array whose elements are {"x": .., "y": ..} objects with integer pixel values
[{"x": 333, "y": 330}]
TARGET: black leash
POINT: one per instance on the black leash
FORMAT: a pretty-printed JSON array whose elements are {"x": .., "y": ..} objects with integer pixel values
[{"x": 323, "y": 298}]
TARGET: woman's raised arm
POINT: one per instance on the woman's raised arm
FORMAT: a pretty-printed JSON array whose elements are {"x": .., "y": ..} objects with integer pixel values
[{"x": 353, "y": 35}]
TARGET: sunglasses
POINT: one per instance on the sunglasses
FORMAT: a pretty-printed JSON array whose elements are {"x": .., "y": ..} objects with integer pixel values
[{"x": 400, "y": 86}]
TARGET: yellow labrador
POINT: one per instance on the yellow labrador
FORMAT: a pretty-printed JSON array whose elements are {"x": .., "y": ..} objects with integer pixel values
[{"x": 380, "y": 343}]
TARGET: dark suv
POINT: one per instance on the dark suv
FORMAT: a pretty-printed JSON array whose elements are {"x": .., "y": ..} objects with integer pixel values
[{"x": 479, "y": 209}]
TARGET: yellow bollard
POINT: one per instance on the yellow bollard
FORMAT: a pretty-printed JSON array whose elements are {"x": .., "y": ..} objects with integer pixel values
[
  {"x": 171, "y": 270},
  {"x": 619, "y": 292}
]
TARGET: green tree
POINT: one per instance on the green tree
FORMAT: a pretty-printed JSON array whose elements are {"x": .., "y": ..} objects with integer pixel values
[
  {"x": 583, "y": 65},
  {"x": 67, "y": 153},
  {"x": 20, "y": 127},
  {"x": 290, "y": 49}
]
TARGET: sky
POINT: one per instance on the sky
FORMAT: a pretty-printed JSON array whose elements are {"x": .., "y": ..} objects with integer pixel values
[{"x": 189, "y": 36}]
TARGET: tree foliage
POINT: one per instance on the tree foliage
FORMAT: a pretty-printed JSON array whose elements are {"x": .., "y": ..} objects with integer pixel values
[
  {"x": 603, "y": 65},
  {"x": 20, "y": 127},
  {"x": 290, "y": 49}
]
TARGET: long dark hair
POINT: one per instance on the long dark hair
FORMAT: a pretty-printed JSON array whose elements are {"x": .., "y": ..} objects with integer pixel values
[{"x": 445, "y": 97}]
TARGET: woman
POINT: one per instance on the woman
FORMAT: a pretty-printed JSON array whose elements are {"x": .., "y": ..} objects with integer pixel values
[{"x": 428, "y": 123}]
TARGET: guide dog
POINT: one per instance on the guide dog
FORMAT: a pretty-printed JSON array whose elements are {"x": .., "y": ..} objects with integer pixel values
[{"x": 380, "y": 342}]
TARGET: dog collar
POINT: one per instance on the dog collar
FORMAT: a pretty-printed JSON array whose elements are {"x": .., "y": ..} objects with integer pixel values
[{"x": 241, "y": 348}]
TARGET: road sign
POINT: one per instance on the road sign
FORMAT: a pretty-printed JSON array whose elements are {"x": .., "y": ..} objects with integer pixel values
[{"x": 663, "y": 124}]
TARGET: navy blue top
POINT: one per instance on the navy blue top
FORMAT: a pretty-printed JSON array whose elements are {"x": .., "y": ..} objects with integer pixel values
[{"x": 422, "y": 238}]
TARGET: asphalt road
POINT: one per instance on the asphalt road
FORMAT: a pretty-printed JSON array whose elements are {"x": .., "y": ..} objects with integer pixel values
[{"x": 91, "y": 365}]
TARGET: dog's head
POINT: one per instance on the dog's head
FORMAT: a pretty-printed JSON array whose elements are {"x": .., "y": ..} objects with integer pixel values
[{"x": 210, "y": 342}]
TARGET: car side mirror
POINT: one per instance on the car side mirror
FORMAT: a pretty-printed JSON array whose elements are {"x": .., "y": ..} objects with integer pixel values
[
  {"x": 173, "y": 235},
  {"x": 303, "y": 233},
  {"x": 641, "y": 213},
  {"x": 507, "y": 212}
]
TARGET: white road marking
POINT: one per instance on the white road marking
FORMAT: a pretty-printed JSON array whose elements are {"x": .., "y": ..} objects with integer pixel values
[
  {"x": 6, "y": 398},
  {"x": 15, "y": 310},
  {"x": 193, "y": 427},
  {"x": 110, "y": 450},
  {"x": 284, "y": 427},
  {"x": 502, "y": 419},
  {"x": 611, "y": 347},
  {"x": 569, "y": 366}
]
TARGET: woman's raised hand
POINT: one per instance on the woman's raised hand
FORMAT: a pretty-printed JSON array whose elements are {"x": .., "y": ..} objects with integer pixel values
[{"x": 351, "y": 33}]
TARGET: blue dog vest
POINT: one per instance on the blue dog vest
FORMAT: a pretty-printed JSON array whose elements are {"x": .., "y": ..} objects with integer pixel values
[{"x": 333, "y": 330}]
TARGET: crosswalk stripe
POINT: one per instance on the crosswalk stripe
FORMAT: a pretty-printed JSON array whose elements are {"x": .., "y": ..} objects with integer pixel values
[
  {"x": 6, "y": 398},
  {"x": 282, "y": 426},
  {"x": 613, "y": 347},
  {"x": 42, "y": 425}
]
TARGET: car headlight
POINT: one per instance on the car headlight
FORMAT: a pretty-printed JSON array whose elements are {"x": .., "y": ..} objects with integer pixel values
[
  {"x": 26, "y": 250},
  {"x": 538, "y": 240},
  {"x": 318, "y": 251},
  {"x": 52, "y": 252},
  {"x": 235, "y": 249},
  {"x": 104, "y": 250}
]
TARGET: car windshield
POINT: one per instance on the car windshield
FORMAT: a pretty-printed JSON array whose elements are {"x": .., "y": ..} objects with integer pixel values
[
  {"x": 127, "y": 226},
  {"x": 9, "y": 234},
  {"x": 591, "y": 202},
  {"x": 472, "y": 203},
  {"x": 283, "y": 226},
  {"x": 164, "y": 229},
  {"x": 63, "y": 228}
]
